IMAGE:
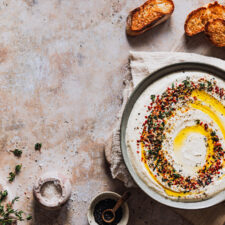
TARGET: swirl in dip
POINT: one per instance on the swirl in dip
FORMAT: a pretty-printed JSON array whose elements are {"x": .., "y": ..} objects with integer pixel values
[{"x": 175, "y": 136}]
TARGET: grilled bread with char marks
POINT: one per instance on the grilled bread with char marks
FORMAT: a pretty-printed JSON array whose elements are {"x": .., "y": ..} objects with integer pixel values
[
  {"x": 148, "y": 15},
  {"x": 215, "y": 30},
  {"x": 197, "y": 19}
]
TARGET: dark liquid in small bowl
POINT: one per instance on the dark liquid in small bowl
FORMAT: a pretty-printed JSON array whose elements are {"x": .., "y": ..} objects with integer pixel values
[{"x": 103, "y": 205}]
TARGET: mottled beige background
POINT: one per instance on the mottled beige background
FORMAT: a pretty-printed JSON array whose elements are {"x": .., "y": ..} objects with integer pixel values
[{"x": 62, "y": 65}]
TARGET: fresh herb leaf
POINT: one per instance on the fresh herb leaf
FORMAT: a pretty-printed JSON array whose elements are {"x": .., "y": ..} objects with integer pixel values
[
  {"x": 29, "y": 217},
  {"x": 186, "y": 83},
  {"x": 18, "y": 168},
  {"x": 9, "y": 215},
  {"x": 15, "y": 199},
  {"x": 202, "y": 86},
  {"x": 197, "y": 121},
  {"x": 176, "y": 175},
  {"x": 17, "y": 152},
  {"x": 38, "y": 146},
  {"x": 153, "y": 98},
  {"x": 11, "y": 176},
  {"x": 209, "y": 84},
  {"x": 3, "y": 195}
]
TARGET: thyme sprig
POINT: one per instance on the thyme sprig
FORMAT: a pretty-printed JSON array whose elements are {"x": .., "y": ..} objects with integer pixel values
[
  {"x": 9, "y": 215},
  {"x": 12, "y": 175},
  {"x": 38, "y": 146},
  {"x": 17, "y": 152}
]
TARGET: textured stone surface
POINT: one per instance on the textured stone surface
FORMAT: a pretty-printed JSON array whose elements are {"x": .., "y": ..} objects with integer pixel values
[{"x": 62, "y": 65}]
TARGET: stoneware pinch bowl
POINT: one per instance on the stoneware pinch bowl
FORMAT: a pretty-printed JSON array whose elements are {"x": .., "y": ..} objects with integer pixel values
[{"x": 102, "y": 196}]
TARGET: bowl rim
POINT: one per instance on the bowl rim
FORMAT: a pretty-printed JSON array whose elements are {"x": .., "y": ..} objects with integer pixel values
[{"x": 107, "y": 194}]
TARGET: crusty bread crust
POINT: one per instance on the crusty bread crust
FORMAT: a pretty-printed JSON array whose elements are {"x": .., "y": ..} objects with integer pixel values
[
  {"x": 148, "y": 16},
  {"x": 195, "y": 22},
  {"x": 217, "y": 11},
  {"x": 215, "y": 31},
  {"x": 197, "y": 19}
]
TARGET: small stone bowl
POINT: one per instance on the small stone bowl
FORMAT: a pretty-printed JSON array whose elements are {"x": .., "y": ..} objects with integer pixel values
[
  {"x": 102, "y": 196},
  {"x": 59, "y": 180}
]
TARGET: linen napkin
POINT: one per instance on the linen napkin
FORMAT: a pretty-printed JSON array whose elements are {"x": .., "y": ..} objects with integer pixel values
[{"x": 141, "y": 65}]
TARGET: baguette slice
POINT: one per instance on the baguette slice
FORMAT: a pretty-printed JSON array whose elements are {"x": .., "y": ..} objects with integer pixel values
[
  {"x": 197, "y": 19},
  {"x": 148, "y": 15},
  {"x": 216, "y": 11},
  {"x": 215, "y": 30},
  {"x": 195, "y": 22}
]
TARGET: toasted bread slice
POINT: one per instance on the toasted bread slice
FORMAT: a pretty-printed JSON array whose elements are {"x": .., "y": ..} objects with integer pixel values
[
  {"x": 216, "y": 11},
  {"x": 148, "y": 15},
  {"x": 215, "y": 30},
  {"x": 197, "y": 19}
]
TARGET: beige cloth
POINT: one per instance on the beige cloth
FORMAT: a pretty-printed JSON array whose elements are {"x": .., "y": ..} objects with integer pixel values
[{"x": 142, "y": 64}]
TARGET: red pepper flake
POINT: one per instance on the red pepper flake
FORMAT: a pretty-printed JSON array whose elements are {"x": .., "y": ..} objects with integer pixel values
[
  {"x": 221, "y": 93},
  {"x": 217, "y": 144},
  {"x": 174, "y": 99},
  {"x": 153, "y": 133},
  {"x": 217, "y": 89},
  {"x": 138, "y": 152}
]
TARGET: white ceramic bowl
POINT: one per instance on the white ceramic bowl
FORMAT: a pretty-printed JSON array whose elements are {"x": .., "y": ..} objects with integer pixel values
[{"x": 102, "y": 196}]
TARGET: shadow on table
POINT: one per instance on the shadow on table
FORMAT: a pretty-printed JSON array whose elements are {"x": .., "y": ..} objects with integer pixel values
[
  {"x": 148, "y": 37},
  {"x": 144, "y": 210},
  {"x": 201, "y": 44},
  {"x": 115, "y": 184},
  {"x": 45, "y": 217},
  {"x": 210, "y": 216},
  {"x": 197, "y": 44}
]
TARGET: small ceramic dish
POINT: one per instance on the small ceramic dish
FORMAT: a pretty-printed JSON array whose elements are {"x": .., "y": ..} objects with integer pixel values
[
  {"x": 60, "y": 183},
  {"x": 106, "y": 195}
]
